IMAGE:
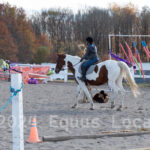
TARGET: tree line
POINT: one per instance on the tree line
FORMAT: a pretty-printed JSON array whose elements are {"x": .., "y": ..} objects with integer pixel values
[{"x": 40, "y": 37}]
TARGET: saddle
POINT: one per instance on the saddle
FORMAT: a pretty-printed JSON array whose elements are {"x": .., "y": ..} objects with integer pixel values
[{"x": 90, "y": 69}]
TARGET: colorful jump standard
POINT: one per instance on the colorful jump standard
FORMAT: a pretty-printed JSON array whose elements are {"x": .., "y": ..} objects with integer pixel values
[
  {"x": 145, "y": 48},
  {"x": 135, "y": 49},
  {"x": 138, "y": 57},
  {"x": 130, "y": 56},
  {"x": 125, "y": 53}
]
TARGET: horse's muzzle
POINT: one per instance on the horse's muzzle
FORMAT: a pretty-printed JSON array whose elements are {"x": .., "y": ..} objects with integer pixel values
[{"x": 56, "y": 70}]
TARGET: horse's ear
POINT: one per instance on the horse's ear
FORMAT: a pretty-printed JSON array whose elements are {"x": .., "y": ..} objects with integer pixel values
[
  {"x": 57, "y": 54},
  {"x": 64, "y": 55},
  {"x": 61, "y": 55}
]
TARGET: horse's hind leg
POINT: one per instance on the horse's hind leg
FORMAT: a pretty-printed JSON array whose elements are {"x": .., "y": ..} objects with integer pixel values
[
  {"x": 114, "y": 87},
  {"x": 121, "y": 101},
  {"x": 122, "y": 92},
  {"x": 113, "y": 75}
]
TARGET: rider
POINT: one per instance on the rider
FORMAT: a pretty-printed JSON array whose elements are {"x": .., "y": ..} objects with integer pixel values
[{"x": 90, "y": 56}]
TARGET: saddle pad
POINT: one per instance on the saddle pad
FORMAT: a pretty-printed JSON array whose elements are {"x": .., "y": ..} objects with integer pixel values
[{"x": 90, "y": 69}]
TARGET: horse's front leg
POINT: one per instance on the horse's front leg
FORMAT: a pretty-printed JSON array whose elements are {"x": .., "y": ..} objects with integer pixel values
[
  {"x": 83, "y": 98},
  {"x": 76, "y": 98},
  {"x": 86, "y": 91}
]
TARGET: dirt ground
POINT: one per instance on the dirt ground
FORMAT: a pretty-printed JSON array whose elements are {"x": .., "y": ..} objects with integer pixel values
[{"x": 51, "y": 104}]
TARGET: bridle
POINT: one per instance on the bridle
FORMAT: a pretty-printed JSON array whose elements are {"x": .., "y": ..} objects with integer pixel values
[
  {"x": 76, "y": 64},
  {"x": 73, "y": 65}
]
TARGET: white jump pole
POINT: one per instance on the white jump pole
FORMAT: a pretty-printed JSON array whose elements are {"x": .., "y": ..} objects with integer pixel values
[{"x": 17, "y": 114}]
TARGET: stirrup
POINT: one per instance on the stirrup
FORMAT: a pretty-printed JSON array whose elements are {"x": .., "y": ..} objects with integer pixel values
[{"x": 82, "y": 78}]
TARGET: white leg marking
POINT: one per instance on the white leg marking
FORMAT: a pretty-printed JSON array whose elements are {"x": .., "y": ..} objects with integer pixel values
[
  {"x": 114, "y": 88},
  {"x": 113, "y": 74},
  {"x": 122, "y": 92},
  {"x": 76, "y": 98},
  {"x": 85, "y": 89}
]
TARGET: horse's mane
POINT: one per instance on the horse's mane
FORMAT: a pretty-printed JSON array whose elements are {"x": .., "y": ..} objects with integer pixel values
[{"x": 77, "y": 57}]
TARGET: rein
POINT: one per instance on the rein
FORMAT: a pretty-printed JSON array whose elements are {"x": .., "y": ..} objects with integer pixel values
[
  {"x": 76, "y": 64},
  {"x": 73, "y": 65}
]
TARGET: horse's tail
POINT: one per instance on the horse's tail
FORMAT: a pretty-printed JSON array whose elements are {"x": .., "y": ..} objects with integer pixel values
[{"x": 125, "y": 71}]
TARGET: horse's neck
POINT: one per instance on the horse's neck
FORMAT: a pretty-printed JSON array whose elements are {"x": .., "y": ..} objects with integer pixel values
[
  {"x": 72, "y": 62},
  {"x": 72, "y": 59}
]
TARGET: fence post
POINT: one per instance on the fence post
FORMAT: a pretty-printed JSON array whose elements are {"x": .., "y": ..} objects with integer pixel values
[
  {"x": 66, "y": 73},
  {"x": 17, "y": 114}
]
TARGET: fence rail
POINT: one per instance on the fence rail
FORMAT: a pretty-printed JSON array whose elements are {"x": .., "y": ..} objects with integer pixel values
[{"x": 65, "y": 75}]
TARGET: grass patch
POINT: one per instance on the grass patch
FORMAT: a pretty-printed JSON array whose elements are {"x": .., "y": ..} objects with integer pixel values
[
  {"x": 143, "y": 84},
  {"x": 139, "y": 84}
]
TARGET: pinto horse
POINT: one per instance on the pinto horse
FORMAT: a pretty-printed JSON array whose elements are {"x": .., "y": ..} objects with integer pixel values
[{"x": 109, "y": 71}]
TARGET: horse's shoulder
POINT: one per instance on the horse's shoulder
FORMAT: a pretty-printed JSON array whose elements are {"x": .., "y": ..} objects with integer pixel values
[{"x": 77, "y": 57}]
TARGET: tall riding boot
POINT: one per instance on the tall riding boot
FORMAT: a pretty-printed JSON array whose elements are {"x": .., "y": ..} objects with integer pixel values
[{"x": 83, "y": 78}]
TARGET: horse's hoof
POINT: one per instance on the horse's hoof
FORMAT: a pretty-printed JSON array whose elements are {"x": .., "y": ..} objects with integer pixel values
[
  {"x": 74, "y": 106},
  {"x": 91, "y": 108},
  {"x": 112, "y": 106},
  {"x": 119, "y": 109}
]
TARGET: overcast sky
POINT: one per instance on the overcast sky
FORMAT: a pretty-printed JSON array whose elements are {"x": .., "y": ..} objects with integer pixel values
[{"x": 36, "y": 5}]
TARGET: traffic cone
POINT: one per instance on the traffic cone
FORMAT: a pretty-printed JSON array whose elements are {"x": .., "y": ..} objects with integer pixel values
[{"x": 34, "y": 138}]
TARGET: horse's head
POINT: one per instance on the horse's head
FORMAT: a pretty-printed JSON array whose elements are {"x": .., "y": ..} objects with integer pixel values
[{"x": 60, "y": 62}]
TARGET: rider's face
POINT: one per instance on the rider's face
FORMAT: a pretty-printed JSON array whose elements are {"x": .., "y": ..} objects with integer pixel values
[{"x": 87, "y": 43}]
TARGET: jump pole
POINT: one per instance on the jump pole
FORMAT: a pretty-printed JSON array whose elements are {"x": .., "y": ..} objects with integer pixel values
[
  {"x": 95, "y": 136},
  {"x": 17, "y": 114}
]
